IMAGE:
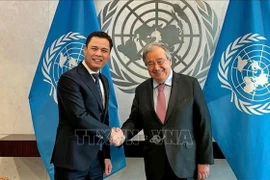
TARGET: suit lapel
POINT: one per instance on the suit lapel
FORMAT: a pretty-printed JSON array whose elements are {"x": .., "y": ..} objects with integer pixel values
[
  {"x": 88, "y": 80},
  {"x": 149, "y": 98},
  {"x": 149, "y": 94},
  {"x": 106, "y": 93},
  {"x": 176, "y": 89}
]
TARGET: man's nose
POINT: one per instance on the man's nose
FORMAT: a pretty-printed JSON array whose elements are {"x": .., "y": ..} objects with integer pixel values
[
  {"x": 98, "y": 53},
  {"x": 156, "y": 66}
]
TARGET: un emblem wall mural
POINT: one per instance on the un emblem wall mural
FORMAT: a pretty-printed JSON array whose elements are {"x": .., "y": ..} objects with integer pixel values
[{"x": 189, "y": 28}]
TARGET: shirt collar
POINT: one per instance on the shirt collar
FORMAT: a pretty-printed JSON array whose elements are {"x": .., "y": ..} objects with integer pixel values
[
  {"x": 168, "y": 81},
  {"x": 88, "y": 69}
]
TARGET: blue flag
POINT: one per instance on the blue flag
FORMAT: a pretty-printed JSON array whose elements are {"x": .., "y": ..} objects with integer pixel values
[
  {"x": 237, "y": 89},
  {"x": 63, "y": 49}
]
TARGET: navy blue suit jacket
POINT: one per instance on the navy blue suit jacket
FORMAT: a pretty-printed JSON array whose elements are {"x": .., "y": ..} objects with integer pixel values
[{"x": 83, "y": 122}]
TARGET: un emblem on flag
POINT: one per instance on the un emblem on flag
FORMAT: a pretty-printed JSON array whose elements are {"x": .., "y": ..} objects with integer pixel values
[
  {"x": 64, "y": 53},
  {"x": 188, "y": 29},
  {"x": 244, "y": 69}
]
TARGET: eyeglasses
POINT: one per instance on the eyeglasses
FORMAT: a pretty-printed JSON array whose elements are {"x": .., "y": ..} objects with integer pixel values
[{"x": 152, "y": 63}]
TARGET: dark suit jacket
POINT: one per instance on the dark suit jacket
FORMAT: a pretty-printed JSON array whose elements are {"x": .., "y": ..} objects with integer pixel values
[
  {"x": 83, "y": 123},
  {"x": 186, "y": 134}
]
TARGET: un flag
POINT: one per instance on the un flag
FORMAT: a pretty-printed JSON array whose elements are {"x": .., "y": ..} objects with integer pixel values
[
  {"x": 237, "y": 89},
  {"x": 63, "y": 49}
]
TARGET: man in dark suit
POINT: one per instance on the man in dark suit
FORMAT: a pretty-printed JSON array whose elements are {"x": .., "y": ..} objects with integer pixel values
[
  {"x": 81, "y": 149},
  {"x": 171, "y": 110}
]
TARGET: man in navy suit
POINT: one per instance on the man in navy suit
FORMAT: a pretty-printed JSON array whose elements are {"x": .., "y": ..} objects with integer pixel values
[
  {"x": 81, "y": 149},
  {"x": 171, "y": 110}
]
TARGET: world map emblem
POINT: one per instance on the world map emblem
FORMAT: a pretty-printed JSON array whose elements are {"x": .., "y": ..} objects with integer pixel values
[
  {"x": 244, "y": 70},
  {"x": 190, "y": 33},
  {"x": 64, "y": 53}
]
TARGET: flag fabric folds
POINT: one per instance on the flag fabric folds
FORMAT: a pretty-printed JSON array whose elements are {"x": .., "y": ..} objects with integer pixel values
[
  {"x": 63, "y": 49},
  {"x": 237, "y": 89}
]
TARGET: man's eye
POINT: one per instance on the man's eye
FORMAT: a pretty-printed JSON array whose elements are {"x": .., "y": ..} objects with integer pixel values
[{"x": 159, "y": 62}]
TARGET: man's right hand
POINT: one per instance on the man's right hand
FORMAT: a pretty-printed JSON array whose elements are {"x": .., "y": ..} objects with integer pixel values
[{"x": 117, "y": 137}]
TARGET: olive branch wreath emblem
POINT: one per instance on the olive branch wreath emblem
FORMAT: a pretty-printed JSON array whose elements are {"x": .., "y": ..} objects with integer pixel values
[
  {"x": 49, "y": 58},
  {"x": 210, "y": 22},
  {"x": 200, "y": 71},
  {"x": 227, "y": 56}
]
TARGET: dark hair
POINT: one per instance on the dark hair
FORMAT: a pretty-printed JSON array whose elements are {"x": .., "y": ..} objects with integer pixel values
[{"x": 99, "y": 34}]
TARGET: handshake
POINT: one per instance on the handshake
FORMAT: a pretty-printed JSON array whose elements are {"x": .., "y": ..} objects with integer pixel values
[{"x": 117, "y": 137}]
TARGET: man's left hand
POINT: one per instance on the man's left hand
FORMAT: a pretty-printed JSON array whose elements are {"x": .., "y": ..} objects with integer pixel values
[
  {"x": 203, "y": 171},
  {"x": 108, "y": 166}
]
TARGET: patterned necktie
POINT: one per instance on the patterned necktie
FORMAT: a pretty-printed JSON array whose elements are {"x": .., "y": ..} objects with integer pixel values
[
  {"x": 96, "y": 77},
  {"x": 161, "y": 103}
]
